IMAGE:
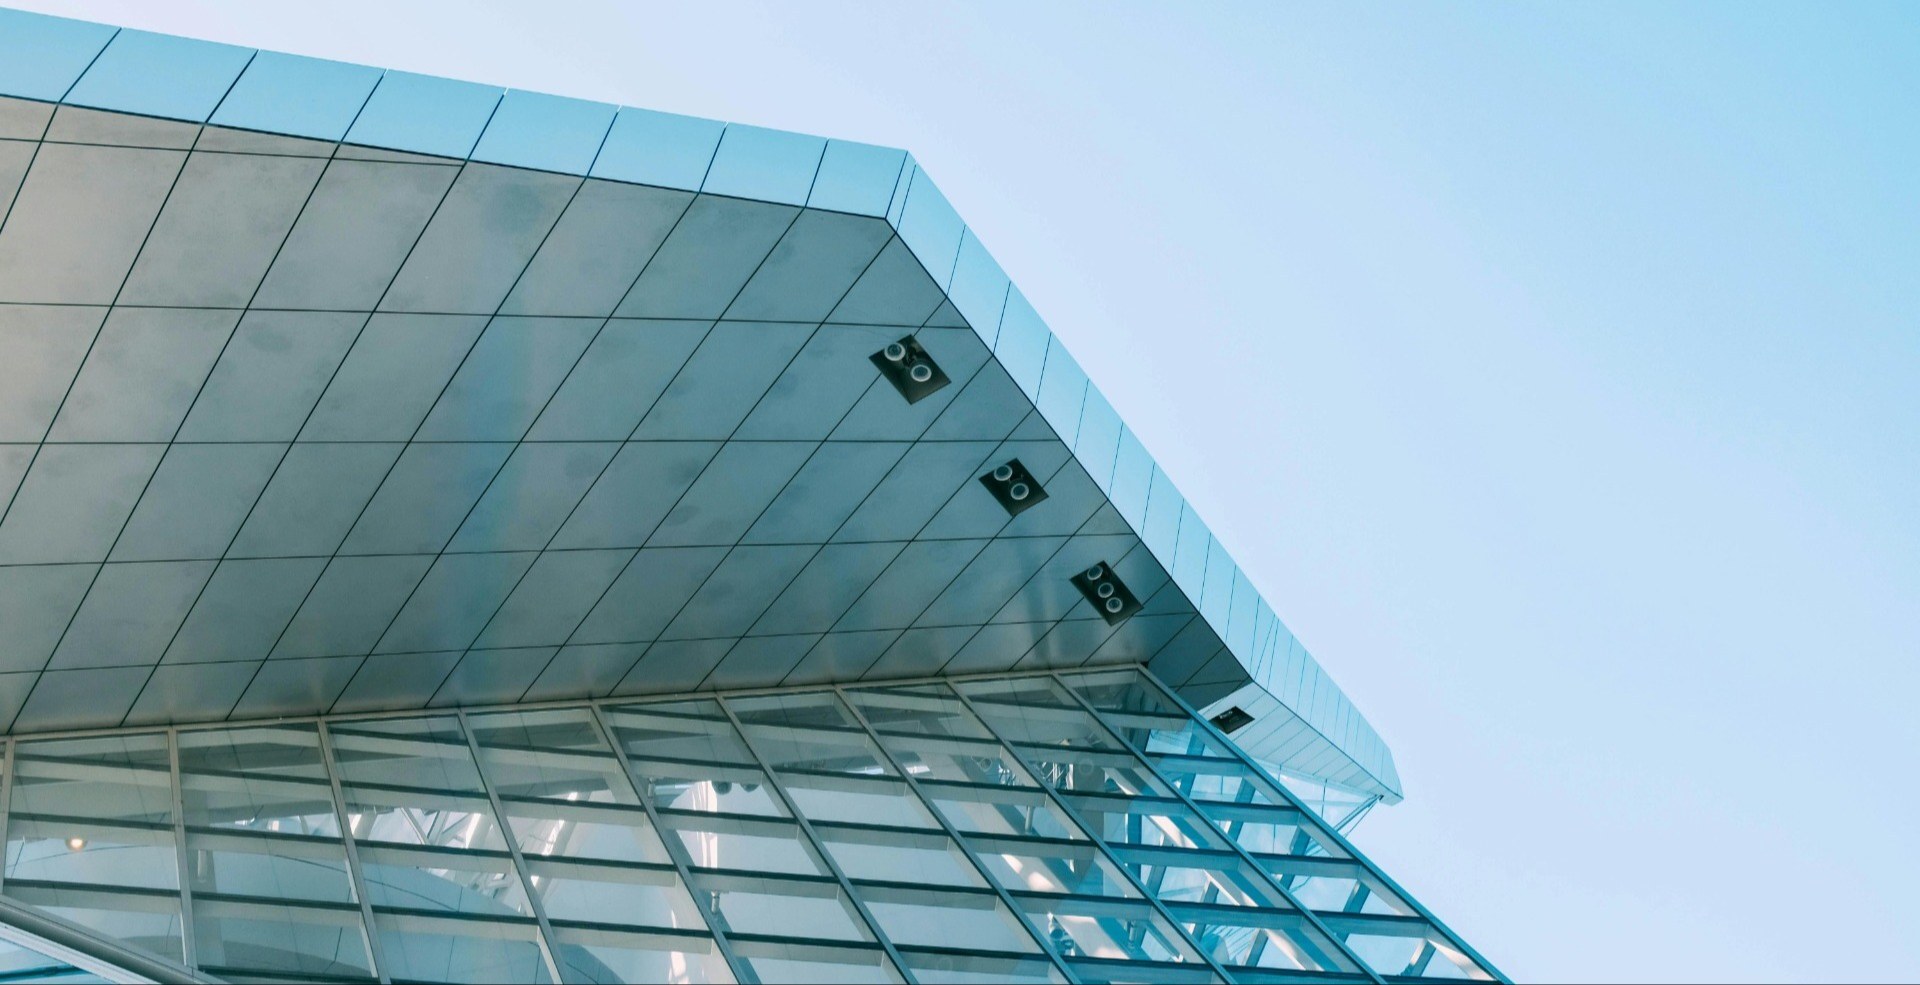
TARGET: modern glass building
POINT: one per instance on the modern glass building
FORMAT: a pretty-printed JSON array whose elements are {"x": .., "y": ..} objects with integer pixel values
[{"x": 454, "y": 534}]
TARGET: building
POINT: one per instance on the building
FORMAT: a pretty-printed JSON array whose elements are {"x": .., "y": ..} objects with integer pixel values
[{"x": 454, "y": 534}]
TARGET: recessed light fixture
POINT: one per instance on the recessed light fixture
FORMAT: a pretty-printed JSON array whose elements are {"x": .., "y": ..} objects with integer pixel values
[
  {"x": 1106, "y": 593},
  {"x": 911, "y": 371},
  {"x": 1014, "y": 487},
  {"x": 1232, "y": 720}
]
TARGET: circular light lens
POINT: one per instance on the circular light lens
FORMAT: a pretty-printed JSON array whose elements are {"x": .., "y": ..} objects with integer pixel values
[
  {"x": 1003, "y": 473},
  {"x": 894, "y": 352},
  {"x": 1115, "y": 605},
  {"x": 921, "y": 372},
  {"x": 1096, "y": 572},
  {"x": 1104, "y": 590},
  {"x": 76, "y": 844},
  {"x": 1018, "y": 491}
]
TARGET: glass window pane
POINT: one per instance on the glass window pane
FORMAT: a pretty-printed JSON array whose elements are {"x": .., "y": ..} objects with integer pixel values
[
  {"x": 438, "y": 949},
  {"x": 268, "y": 779},
  {"x": 1000, "y": 810},
  {"x": 814, "y": 961},
  {"x": 1105, "y": 928},
  {"x": 148, "y": 920},
  {"x": 248, "y": 939},
  {"x": 787, "y": 906},
  {"x": 927, "y": 857},
  {"x": 122, "y": 777},
  {"x": 421, "y": 817},
  {"x": 595, "y": 956},
  {"x": 583, "y": 831},
  {"x": 749, "y": 844},
  {"x": 945, "y": 918},
  {"x": 1052, "y": 866},
  {"x": 985, "y": 969},
  {"x": 447, "y": 882},
  {"x": 277, "y": 867},
  {"x": 633, "y": 896},
  {"x": 554, "y": 754},
  {"x": 856, "y": 799},
  {"x": 90, "y": 853},
  {"x": 917, "y": 710},
  {"x": 406, "y": 752}
]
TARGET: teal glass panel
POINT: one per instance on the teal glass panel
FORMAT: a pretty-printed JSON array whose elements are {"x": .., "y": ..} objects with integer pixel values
[
  {"x": 1242, "y": 616},
  {"x": 1063, "y": 391},
  {"x": 908, "y": 169},
  {"x": 1099, "y": 438},
  {"x": 769, "y": 165},
  {"x": 1190, "y": 553},
  {"x": 1022, "y": 344},
  {"x": 1132, "y": 476},
  {"x": 856, "y": 178},
  {"x": 425, "y": 115},
  {"x": 546, "y": 133},
  {"x": 42, "y": 57},
  {"x": 663, "y": 149},
  {"x": 1164, "y": 507},
  {"x": 931, "y": 228},
  {"x": 979, "y": 288},
  {"x": 304, "y": 97},
  {"x": 160, "y": 75},
  {"x": 1216, "y": 587}
]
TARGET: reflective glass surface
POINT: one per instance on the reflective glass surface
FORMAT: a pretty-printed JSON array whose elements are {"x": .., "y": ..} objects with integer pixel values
[{"x": 1030, "y": 828}]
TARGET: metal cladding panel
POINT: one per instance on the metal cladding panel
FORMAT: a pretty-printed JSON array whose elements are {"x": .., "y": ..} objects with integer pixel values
[{"x": 447, "y": 294}]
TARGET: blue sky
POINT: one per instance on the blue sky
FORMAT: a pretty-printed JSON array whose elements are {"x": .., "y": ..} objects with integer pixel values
[{"x": 1551, "y": 368}]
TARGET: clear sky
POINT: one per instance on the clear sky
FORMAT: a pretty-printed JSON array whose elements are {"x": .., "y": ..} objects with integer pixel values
[{"x": 1553, "y": 369}]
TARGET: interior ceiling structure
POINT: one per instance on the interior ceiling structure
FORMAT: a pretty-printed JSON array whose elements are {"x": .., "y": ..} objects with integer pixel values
[{"x": 297, "y": 419}]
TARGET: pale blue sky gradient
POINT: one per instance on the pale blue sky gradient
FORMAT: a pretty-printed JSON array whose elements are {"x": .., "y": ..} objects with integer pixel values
[{"x": 1551, "y": 368}]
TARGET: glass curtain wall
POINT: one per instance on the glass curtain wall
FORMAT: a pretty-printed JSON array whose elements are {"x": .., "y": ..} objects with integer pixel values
[{"x": 1051, "y": 827}]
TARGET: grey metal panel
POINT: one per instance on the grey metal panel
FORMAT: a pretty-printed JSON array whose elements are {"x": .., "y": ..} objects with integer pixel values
[
  {"x": 392, "y": 377},
  {"x": 391, "y": 681},
  {"x": 921, "y": 652},
  {"x": 893, "y": 290},
  {"x": 534, "y": 493},
  {"x": 597, "y": 250},
  {"x": 645, "y": 597},
  {"x": 881, "y": 414},
  {"x": 191, "y": 693},
  {"x": 314, "y": 498},
  {"x": 454, "y": 601},
  {"x": 738, "y": 591},
  {"x": 354, "y": 601},
  {"x": 556, "y": 594},
  {"x": 480, "y": 240},
  {"x": 990, "y": 580},
  {"x": 36, "y": 603},
  {"x": 831, "y": 582},
  {"x": 726, "y": 376},
  {"x": 643, "y": 482},
  {"x": 243, "y": 608},
  {"x": 701, "y": 267},
  {"x": 78, "y": 221},
  {"x": 811, "y": 268},
  {"x": 826, "y": 491},
  {"x": 508, "y": 377},
  {"x": 618, "y": 379},
  {"x": 820, "y": 385},
  {"x": 916, "y": 489},
  {"x": 272, "y": 373},
  {"x": 142, "y": 374},
  {"x": 73, "y": 501},
  {"x": 347, "y": 246},
  {"x": 425, "y": 498},
  {"x": 222, "y": 225},
  {"x": 908, "y": 585},
  {"x": 492, "y": 676},
  {"x": 196, "y": 501},
  {"x": 131, "y": 613},
  {"x": 759, "y": 658},
  {"x": 737, "y": 485},
  {"x": 841, "y": 656},
  {"x": 585, "y": 669},
  {"x": 93, "y": 698},
  {"x": 285, "y": 687},
  {"x": 677, "y": 665},
  {"x": 41, "y": 348}
]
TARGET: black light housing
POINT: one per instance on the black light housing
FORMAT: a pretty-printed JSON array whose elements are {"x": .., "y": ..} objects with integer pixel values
[
  {"x": 1014, "y": 487},
  {"x": 1231, "y": 720},
  {"x": 911, "y": 371},
  {"x": 1106, "y": 593}
]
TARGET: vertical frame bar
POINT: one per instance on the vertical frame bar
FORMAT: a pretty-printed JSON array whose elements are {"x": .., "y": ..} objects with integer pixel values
[
  {"x": 549, "y": 947},
  {"x": 187, "y": 955},
  {"x": 1092, "y": 834},
  {"x": 676, "y": 851},
  {"x": 372, "y": 930},
  {"x": 973, "y": 858}
]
